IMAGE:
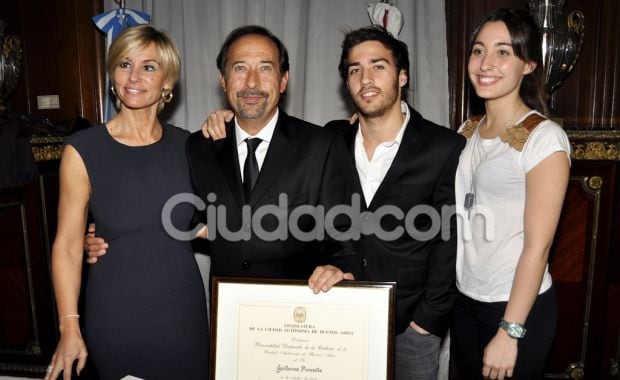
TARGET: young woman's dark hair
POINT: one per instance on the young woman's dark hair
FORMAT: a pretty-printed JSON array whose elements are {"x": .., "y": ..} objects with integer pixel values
[
  {"x": 527, "y": 45},
  {"x": 251, "y": 30}
]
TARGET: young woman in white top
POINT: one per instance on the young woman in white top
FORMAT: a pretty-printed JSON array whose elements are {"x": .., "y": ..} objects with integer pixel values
[{"x": 510, "y": 186}]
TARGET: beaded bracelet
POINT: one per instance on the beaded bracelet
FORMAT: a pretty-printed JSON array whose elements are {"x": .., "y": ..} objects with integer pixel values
[{"x": 68, "y": 316}]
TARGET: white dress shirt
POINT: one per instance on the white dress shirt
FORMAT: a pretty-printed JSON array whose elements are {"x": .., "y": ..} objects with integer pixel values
[
  {"x": 265, "y": 134},
  {"x": 372, "y": 172}
]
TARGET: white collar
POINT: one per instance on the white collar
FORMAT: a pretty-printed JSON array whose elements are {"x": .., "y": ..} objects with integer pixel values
[
  {"x": 404, "y": 108},
  {"x": 265, "y": 134}
]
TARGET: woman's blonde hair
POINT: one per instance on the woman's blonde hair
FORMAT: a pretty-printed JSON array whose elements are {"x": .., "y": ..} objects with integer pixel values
[{"x": 139, "y": 37}]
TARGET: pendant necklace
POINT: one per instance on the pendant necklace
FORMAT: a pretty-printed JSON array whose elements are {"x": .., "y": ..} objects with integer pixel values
[{"x": 470, "y": 197}]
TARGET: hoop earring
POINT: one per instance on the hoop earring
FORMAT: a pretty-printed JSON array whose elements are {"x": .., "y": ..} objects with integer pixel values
[
  {"x": 166, "y": 95},
  {"x": 113, "y": 90}
]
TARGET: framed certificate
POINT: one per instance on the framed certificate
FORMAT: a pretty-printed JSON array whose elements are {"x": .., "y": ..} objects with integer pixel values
[{"x": 279, "y": 329}]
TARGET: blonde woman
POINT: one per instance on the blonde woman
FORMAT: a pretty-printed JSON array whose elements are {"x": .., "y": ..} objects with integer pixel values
[{"x": 145, "y": 307}]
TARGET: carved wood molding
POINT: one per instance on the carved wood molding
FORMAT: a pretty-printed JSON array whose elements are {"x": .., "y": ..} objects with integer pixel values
[
  {"x": 22, "y": 368},
  {"x": 595, "y": 145},
  {"x": 46, "y": 148}
]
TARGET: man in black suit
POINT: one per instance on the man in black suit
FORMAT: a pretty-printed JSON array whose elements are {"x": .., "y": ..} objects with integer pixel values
[
  {"x": 293, "y": 163},
  {"x": 303, "y": 162},
  {"x": 406, "y": 167},
  {"x": 405, "y": 161}
]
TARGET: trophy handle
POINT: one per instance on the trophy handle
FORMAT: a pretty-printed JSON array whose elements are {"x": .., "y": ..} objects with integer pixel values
[{"x": 576, "y": 25}]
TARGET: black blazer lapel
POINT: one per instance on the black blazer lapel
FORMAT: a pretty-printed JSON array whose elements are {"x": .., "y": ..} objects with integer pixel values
[
  {"x": 281, "y": 147},
  {"x": 229, "y": 162},
  {"x": 406, "y": 152},
  {"x": 349, "y": 139}
]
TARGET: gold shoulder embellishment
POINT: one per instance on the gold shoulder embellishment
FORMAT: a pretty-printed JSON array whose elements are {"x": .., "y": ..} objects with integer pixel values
[
  {"x": 470, "y": 126},
  {"x": 517, "y": 135}
]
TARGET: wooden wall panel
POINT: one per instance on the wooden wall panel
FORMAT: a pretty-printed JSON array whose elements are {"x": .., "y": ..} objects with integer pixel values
[
  {"x": 589, "y": 98},
  {"x": 568, "y": 267},
  {"x": 579, "y": 265},
  {"x": 15, "y": 329},
  {"x": 62, "y": 55},
  {"x": 28, "y": 325},
  {"x": 611, "y": 337}
]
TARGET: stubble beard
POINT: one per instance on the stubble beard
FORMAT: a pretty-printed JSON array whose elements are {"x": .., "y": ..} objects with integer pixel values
[
  {"x": 254, "y": 111},
  {"x": 385, "y": 104}
]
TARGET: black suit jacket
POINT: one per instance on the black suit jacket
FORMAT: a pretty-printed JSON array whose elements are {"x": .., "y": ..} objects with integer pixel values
[
  {"x": 422, "y": 173},
  {"x": 308, "y": 164}
]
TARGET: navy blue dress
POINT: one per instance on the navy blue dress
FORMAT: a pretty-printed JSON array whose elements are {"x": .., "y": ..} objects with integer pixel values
[{"x": 145, "y": 307}]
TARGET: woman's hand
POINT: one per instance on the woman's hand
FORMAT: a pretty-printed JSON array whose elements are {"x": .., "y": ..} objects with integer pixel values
[
  {"x": 500, "y": 356},
  {"x": 71, "y": 347},
  {"x": 203, "y": 233}
]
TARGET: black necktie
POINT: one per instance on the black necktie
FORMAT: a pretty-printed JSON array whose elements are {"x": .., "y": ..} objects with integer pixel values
[{"x": 250, "y": 168}]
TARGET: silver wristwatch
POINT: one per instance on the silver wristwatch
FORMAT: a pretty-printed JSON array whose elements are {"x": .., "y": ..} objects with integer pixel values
[{"x": 514, "y": 330}]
